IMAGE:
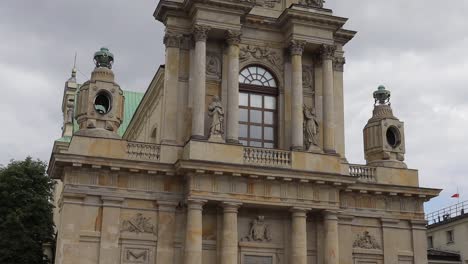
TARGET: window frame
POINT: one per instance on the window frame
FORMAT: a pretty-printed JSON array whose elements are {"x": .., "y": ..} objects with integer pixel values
[
  {"x": 252, "y": 89},
  {"x": 450, "y": 236}
]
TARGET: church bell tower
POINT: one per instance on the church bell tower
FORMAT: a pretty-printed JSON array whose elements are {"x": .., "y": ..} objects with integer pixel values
[
  {"x": 384, "y": 137},
  {"x": 100, "y": 100}
]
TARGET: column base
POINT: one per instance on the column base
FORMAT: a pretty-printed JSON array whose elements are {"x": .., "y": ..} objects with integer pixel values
[
  {"x": 330, "y": 151},
  {"x": 314, "y": 149},
  {"x": 297, "y": 148},
  {"x": 233, "y": 141},
  {"x": 197, "y": 137},
  {"x": 216, "y": 139}
]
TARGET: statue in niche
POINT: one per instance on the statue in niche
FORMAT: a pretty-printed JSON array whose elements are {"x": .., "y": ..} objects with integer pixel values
[
  {"x": 259, "y": 231},
  {"x": 216, "y": 112},
  {"x": 366, "y": 241},
  {"x": 69, "y": 113},
  {"x": 311, "y": 129}
]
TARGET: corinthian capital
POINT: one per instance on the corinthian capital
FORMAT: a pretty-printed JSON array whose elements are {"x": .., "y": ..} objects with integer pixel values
[
  {"x": 233, "y": 37},
  {"x": 296, "y": 47},
  {"x": 172, "y": 40},
  {"x": 327, "y": 52},
  {"x": 338, "y": 63},
  {"x": 200, "y": 33}
]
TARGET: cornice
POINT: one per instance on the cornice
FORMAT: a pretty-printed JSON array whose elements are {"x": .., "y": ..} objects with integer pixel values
[
  {"x": 311, "y": 18},
  {"x": 343, "y": 36}
]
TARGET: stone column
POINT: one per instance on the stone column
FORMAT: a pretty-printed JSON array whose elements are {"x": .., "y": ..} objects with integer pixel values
[
  {"x": 166, "y": 232},
  {"x": 296, "y": 48},
  {"x": 171, "y": 83},
  {"x": 199, "y": 82},
  {"x": 233, "y": 40},
  {"x": 193, "y": 235},
  {"x": 229, "y": 244},
  {"x": 338, "y": 67},
  {"x": 390, "y": 240},
  {"x": 329, "y": 125},
  {"x": 299, "y": 236},
  {"x": 109, "y": 251},
  {"x": 332, "y": 255}
]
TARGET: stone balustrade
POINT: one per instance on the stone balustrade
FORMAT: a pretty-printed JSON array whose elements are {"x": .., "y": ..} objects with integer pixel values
[
  {"x": 267, "y": 157},
  {"x": 364, "y": 173},
  {"x": 143, "y": 151}
]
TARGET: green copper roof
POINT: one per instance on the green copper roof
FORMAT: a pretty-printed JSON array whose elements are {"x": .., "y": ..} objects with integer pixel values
[{"x": 132, "y": 100}]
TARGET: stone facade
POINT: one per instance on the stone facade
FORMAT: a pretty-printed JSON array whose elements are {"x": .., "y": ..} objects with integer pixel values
[{"x": 165, "y": 193}]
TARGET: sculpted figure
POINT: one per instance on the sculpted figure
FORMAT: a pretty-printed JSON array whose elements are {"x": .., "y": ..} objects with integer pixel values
[
  {"x": 311, "y": 127},
  {"x": 216, "y": 112},
  {"x": 259, "y": 231}
]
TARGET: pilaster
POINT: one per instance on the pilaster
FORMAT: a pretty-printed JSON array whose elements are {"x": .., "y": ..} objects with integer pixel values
[
  {"x": 338, "y": 67},
  {"x": 109, "y": 251},
  {"x": 166, "y": 231}
]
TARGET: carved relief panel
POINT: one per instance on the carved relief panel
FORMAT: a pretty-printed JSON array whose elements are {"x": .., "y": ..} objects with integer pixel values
[{"x": 137, "y": 255}]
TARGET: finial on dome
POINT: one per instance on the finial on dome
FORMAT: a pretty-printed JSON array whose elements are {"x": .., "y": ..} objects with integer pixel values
[
  {"x": 382, "y": 96},
  {"x": 104, "y": 58}
]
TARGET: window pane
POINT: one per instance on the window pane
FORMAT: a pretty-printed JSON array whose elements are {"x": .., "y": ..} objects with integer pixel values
[
  {"x": 257, "y": 82},
  {"x": 268, "y": 75},
  {"x": 260, "y": 71},
  {"x": 243, "y": 131},
  {"x": 241, "y": 79},
  {"x": 268, "y": 118},
  {"x": 268, "y": 145},
  {"x": 243, "y": 142},
  {"x": 270, "y": 102},
  {"x": 243, "y": 115},
  {"x": 255, "y": 144},
  {"x": 243, "y": 99},
  {"x": 255, "y": 100},
  {"x": 255, "y": 116},
  {"x": 272, "y": 83},
  {"x": 268, "y": 133},
  {"x": 256, "y": 132}
]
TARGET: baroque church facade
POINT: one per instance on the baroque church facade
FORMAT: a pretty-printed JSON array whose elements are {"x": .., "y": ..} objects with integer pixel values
[{"x": 235, "y": 154}]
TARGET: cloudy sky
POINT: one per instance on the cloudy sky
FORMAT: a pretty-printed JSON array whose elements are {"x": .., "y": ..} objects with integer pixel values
[{"x": 417, "y": 48}]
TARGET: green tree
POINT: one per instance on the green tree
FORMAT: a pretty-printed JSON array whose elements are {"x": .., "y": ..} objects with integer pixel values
[{"x": 26, "y": 221}]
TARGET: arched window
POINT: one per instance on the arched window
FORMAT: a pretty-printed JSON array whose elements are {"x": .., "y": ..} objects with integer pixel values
[{"x": 258, "y": 93}]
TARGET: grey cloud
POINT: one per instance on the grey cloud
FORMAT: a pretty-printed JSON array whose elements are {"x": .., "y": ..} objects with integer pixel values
[{"x": 414, "y": 47}]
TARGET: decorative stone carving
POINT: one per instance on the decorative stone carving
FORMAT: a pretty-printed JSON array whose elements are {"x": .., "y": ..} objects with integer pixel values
[
  {"x": 131, "y": 255},
  {"x": 307, "y": 76},
  {"x": 296, "y": 47},
  {"x": 311, "y": 129},
  {"x": 138, "y": 224},
  {"x": 200, "y": 33},
  {"x": 259, "y": 231},
  {"x": 216, "y": 112},
  {"x": 172, "y": 40},
  {"x": 260, "y": 53},
  {"x": 366, "y": 241},
  {"x": 262, "y": 3},
  {"x": 233, "y": 37},
  {"x": 143, "y": 151},
  {"x": 327, "y": 52},
  {"x": 312, "y": 3},
  {"x": 213, "y": 66},
  {"x": 338, "y": 64}
]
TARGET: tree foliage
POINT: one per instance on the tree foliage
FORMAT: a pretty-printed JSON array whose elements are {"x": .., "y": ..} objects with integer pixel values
[{"x": 26, "y": 220}]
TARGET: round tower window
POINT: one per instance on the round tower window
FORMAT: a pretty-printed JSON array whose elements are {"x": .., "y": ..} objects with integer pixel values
[
  {"x": 102, "y": 103},
  {"x": 393, "y": 137}
]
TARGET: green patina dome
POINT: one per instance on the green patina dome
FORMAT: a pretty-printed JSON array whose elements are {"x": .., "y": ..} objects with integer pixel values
[
  {"x": 103, "y": 58},
  {"x": 382, "y": 96}
]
